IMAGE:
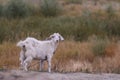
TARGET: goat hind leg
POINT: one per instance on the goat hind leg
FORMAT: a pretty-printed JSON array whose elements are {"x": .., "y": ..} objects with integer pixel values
[{"x": 26, "y": 62}]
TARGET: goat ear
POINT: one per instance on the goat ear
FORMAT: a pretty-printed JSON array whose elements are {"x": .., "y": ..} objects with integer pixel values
[
  {"x": 61, "y": 38},
  {"x": 19, "y": 43}
]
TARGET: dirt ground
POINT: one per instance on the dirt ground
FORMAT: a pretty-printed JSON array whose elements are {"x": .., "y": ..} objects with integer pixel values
[{"x": 33, "y": 75}]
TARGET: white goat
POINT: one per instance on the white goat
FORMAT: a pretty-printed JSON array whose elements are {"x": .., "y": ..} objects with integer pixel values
[{"x": 32, "y": 48}]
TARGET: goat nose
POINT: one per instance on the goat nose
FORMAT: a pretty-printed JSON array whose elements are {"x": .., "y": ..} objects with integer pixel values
[
  {"x": 57, "y": 41},
  {"x": 23, "y": 46}
]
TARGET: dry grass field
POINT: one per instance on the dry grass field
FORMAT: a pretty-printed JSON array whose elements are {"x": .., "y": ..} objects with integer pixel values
[{"x": 70, "y": 56}]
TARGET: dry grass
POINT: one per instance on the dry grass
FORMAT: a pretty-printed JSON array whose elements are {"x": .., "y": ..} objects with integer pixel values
[
  {"x": 70, "y": 56},
  {"x": 9, "y": 55}
]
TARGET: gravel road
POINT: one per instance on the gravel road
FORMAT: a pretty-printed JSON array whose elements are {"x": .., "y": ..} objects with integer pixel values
[{"x": 32, "y": 75}]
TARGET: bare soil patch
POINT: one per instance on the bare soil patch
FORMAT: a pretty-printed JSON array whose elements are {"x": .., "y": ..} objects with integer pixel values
[{"x": 33, "y": 75}]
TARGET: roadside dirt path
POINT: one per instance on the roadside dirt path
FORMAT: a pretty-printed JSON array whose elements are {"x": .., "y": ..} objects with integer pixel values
[{"x": 32, "y": 75}]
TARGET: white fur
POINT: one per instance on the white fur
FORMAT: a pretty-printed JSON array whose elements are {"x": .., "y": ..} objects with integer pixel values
[{"x": 32, "y": 48}]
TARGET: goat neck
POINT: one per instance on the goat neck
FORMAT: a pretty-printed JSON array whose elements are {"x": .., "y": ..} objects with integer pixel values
[{"x": 54, "y": 43}]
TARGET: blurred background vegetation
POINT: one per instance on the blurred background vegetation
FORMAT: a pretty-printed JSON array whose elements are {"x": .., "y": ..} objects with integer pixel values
[{"x": 19, "y": 19}]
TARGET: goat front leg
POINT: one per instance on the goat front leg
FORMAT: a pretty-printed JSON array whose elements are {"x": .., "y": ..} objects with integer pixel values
[
  {"x": 26, "y": 62},
  {"x": 49, "y": 65}
]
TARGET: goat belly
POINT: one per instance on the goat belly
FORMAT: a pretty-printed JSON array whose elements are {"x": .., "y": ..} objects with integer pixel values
[{"x": 41, "y": 57}]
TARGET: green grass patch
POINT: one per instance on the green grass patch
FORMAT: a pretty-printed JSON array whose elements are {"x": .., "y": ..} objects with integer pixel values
[
  {"x": 50, "y": 8},
  {"x": 77, "y": 28}
]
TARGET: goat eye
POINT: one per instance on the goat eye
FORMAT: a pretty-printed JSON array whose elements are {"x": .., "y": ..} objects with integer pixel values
[
  {"x": 59, "y": 38},
  {"x": 52, "y": 36}
]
